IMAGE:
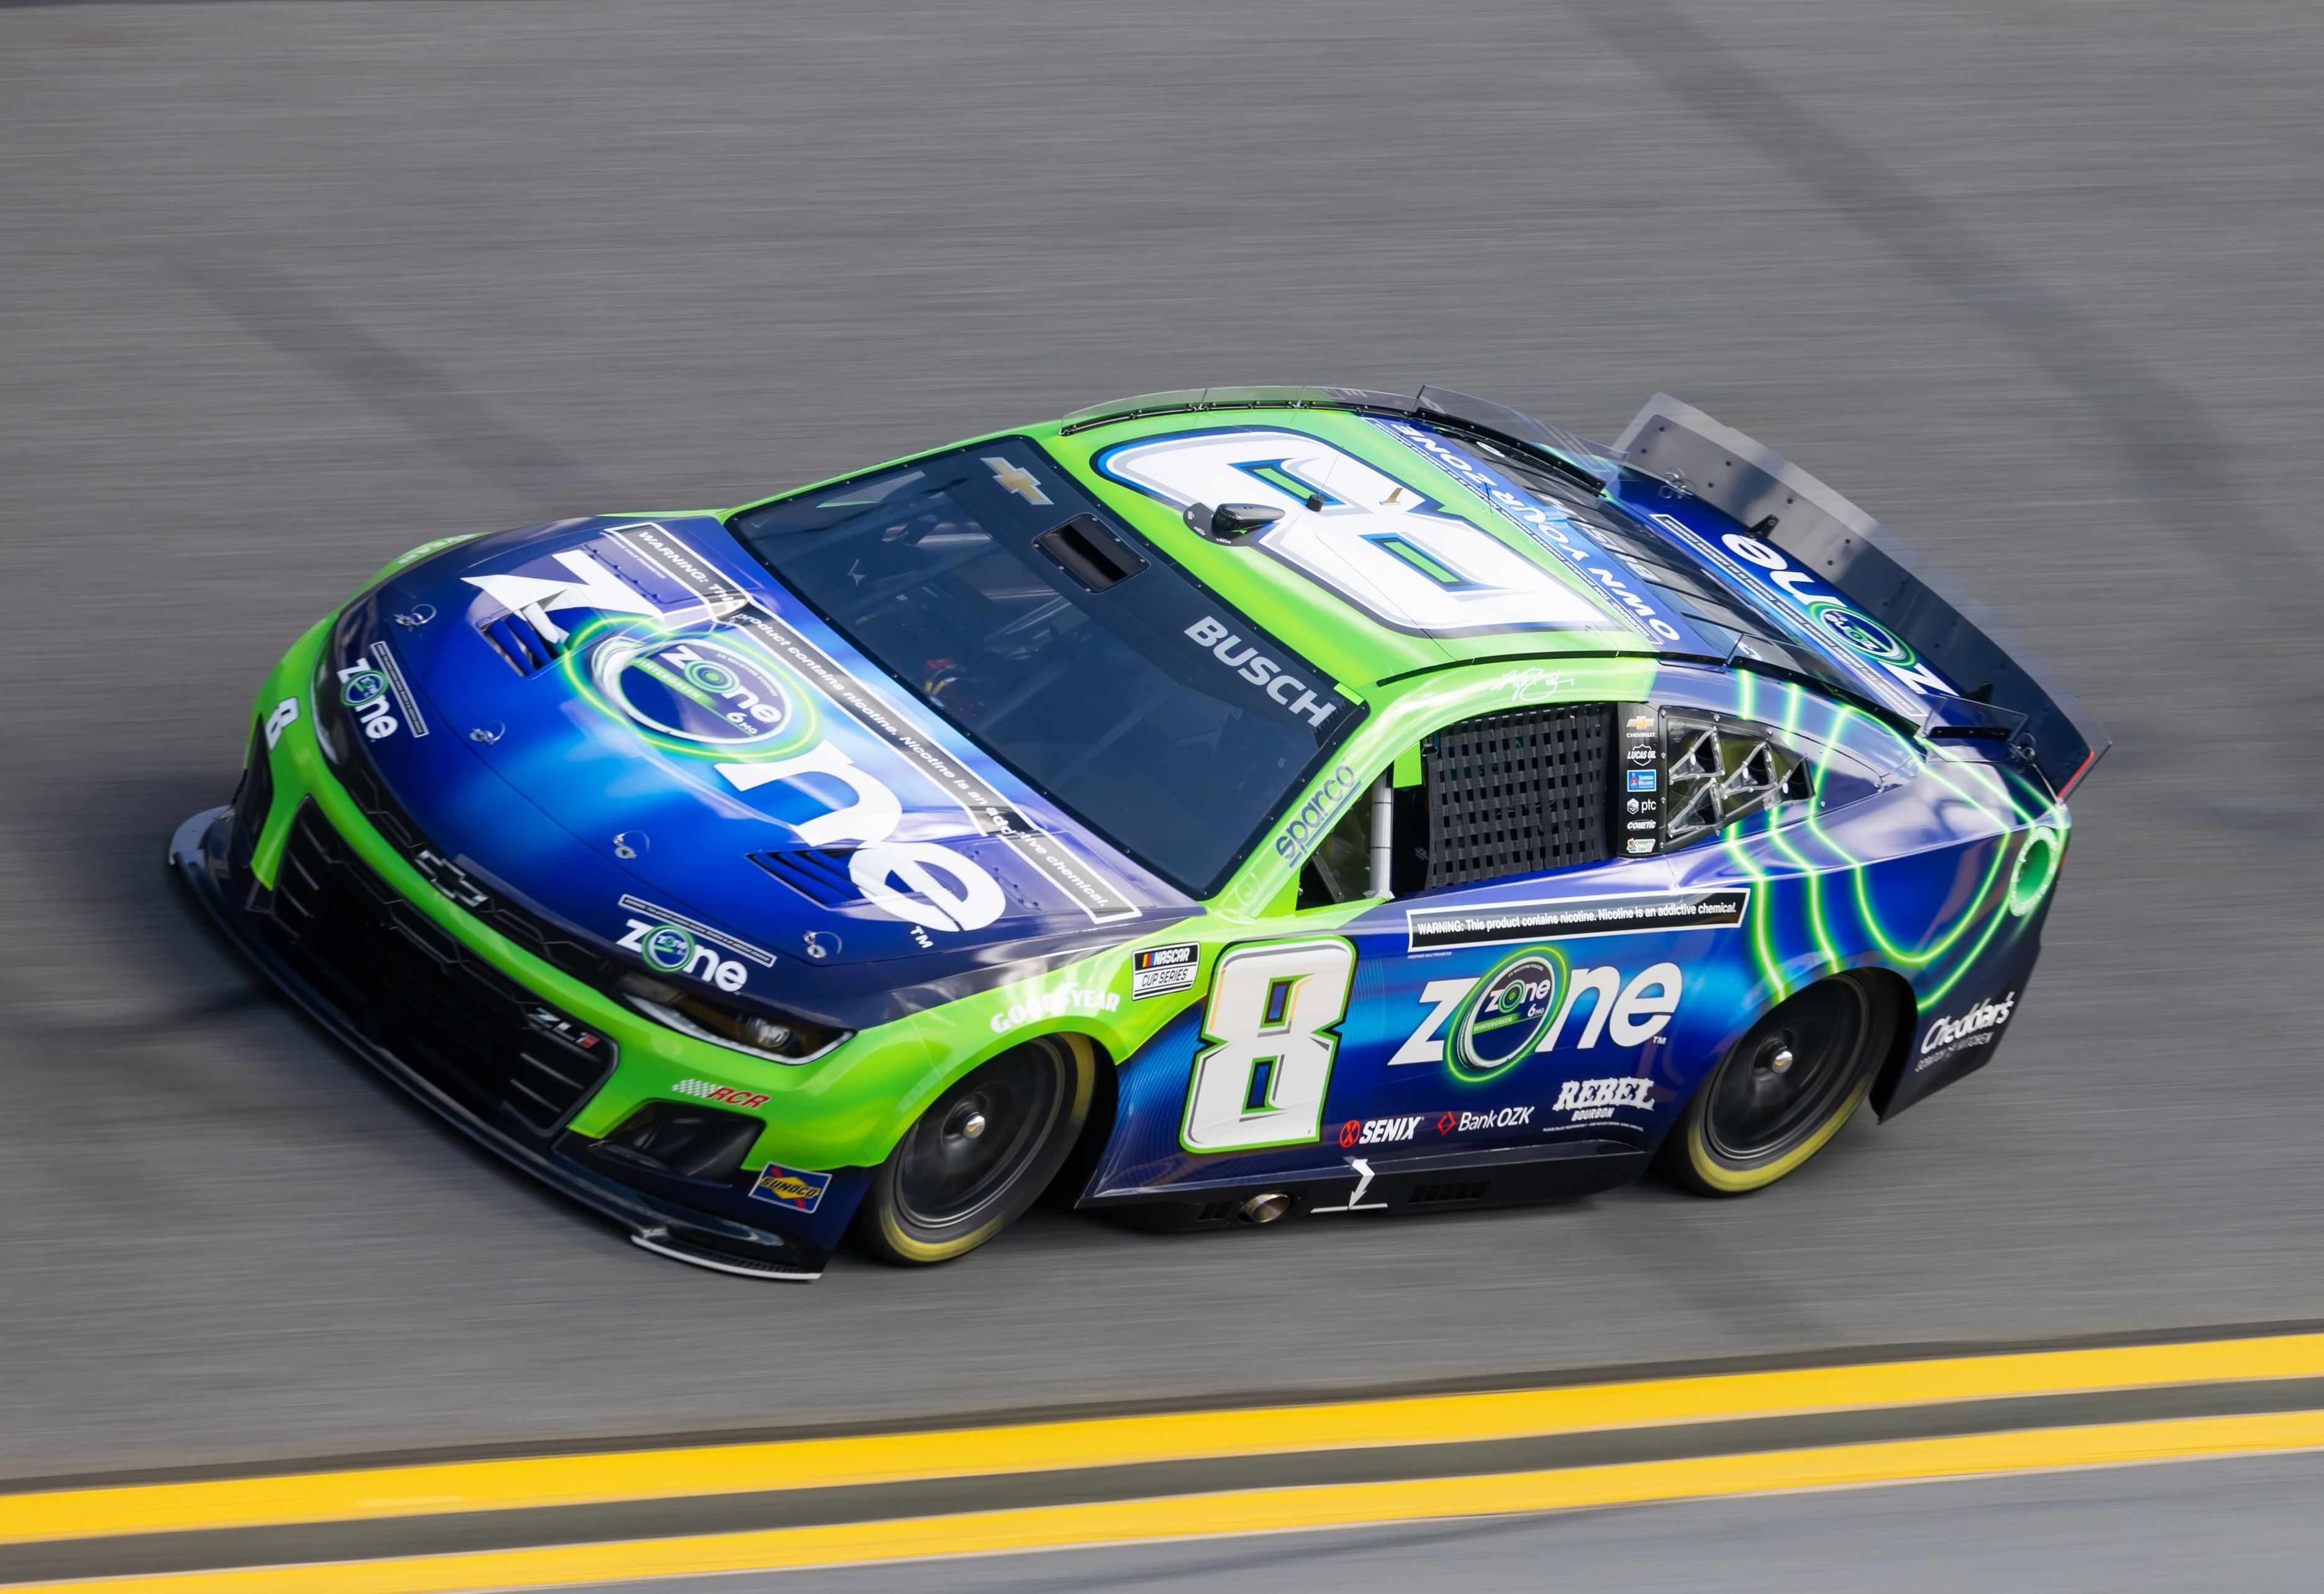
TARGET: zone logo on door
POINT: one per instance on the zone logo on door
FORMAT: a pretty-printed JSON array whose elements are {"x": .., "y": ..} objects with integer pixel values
[{"x": 1268, "y": 1041}]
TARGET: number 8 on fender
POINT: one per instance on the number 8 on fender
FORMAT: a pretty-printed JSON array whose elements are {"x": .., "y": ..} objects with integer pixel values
[{"x": 1269, "y": 1044}]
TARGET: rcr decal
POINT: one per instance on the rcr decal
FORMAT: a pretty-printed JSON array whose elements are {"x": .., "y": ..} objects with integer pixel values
[
  {"x": 920, "y": 882},
  {"x": 1632, "y": 1012},
  {"x": 1260, "y": 670},
  {"x": 727, "y": 1095},
  {"x": 1382, "y": 544}
]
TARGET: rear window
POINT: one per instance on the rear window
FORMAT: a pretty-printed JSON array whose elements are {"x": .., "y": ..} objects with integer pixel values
[{"x": 1067, "y": 648}]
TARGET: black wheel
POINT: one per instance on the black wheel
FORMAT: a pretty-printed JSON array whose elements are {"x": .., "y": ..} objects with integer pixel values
[
  {"x": 980, "y": 1153},
  {"x": 1783, "y": 1091}
]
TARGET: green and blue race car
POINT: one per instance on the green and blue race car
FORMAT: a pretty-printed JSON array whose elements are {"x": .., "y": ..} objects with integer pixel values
[{"x": 1216, "y": 807}]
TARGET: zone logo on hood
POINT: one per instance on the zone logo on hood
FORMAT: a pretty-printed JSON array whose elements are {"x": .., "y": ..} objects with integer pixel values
[
  {"x": 920, "y": 882},
  {"x": 372, "y": 692}
]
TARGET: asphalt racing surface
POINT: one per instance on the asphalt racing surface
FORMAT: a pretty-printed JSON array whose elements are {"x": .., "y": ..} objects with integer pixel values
[{"x": 286, "y": 288}]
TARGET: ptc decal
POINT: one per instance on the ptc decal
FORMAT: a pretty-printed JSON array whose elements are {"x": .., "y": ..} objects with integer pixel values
[{"x": 1503, "y": 1018}]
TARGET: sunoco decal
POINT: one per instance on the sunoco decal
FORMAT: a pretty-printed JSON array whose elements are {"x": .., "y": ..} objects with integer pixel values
[
  {"x": 796, "y": 1188},
  {"x": 1433, "y": 929}
]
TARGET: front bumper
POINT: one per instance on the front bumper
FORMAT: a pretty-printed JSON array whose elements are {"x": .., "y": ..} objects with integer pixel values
[{"x": 524, "y": 1128}]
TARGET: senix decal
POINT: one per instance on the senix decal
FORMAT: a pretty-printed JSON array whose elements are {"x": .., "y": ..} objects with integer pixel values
[
  {"x": 670, "y": 943},
  {"x": 1547, "y": 524},
  {"x": 1809, "y": 609},
  {"x": 372, "y": 689},
  {"x": 1344, "y": 523},
  {"x": 1483, "y": 1025}
]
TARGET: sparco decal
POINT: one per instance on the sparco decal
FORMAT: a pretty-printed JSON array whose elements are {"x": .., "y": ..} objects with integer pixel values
[
  {"x": 1377, "y": 1131},
  {"x": 1979, "y": 1026},
  {"x": 1632, "y": 1012},
  {"x": 1314, "y": 817}
]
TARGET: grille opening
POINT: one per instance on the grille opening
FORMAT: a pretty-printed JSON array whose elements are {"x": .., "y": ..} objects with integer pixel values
[
  {"x": 1519, "y": 792},
  {"x": 450, "y": 1016}
]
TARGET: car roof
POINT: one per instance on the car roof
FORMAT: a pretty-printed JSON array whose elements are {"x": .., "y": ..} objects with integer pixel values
[{"x": 1145, "y": 458}]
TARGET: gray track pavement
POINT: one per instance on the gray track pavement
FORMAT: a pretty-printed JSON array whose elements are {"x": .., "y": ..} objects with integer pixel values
[
  {"x": 2246, "y": 1525},
  {"x": 288, "y": 287}
]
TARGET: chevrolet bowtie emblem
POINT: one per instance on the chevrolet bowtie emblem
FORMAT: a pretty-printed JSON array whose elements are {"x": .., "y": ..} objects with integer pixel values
[{"x": 1017, "y": 479}]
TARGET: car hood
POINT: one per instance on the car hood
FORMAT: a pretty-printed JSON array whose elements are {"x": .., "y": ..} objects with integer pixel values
[{"x": 631, "y": 731}]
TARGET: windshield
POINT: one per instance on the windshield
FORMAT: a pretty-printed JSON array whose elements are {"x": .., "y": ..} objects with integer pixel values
[{"x": 990, "y": 587}]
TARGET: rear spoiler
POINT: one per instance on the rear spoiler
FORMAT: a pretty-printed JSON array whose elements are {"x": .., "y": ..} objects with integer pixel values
[{"x": 2010, "y": 693}]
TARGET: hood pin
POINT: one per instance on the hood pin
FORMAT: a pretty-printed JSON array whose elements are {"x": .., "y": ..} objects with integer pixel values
[
  {"x": 630, "y": 843},
  {"x": 488, "y": 734},
  {"x": 417, "y": 615}
]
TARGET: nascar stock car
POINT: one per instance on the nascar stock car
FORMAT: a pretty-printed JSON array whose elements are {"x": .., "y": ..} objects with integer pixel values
[{"x": 1217, "y": 808}]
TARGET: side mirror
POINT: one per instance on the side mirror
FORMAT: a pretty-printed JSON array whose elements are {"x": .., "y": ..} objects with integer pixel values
[{"x": 1229, "y": 522}]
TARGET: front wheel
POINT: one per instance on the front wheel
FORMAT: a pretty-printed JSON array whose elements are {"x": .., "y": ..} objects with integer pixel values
[
  {"x": 1783, "y": 1091},
  {"x": 981, "y": 1154}
]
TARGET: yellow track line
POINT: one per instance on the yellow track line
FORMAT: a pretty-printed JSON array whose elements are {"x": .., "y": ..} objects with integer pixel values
[
  {"x": 1261, "y": 1511},
  {"x": 441, "y": 1489}
]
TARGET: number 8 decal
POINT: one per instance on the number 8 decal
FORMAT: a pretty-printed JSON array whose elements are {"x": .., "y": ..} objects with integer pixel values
[
  {"x": 1382, "y": 544},
  {"x": 1260, "y": 1079}
]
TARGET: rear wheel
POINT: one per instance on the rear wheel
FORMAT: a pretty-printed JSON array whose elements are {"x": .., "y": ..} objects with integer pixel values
[
  {"x": 981, "y": 1154},
  {"x": 1783, "y": 1091}
]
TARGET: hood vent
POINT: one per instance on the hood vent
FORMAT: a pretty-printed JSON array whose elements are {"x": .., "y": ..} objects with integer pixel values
[
  {"x": 818, "y": 875},
  {"x": 524, "y": 645}
]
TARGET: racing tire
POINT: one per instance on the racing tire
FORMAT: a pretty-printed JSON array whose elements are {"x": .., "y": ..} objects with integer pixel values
[
  {"x": 1784, "y": 1090},
  {"x": 982, "y": 1152}
]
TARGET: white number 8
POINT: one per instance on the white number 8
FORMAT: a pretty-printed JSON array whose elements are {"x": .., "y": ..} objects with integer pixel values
[
  {"x": 1377, "y": 542},
  {"x": 1261, "y": 1079}
]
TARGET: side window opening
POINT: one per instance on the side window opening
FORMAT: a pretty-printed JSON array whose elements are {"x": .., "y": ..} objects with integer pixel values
[
  {"x": 1717, "y": 770},
  {"x": 1519, "y": 792}
]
